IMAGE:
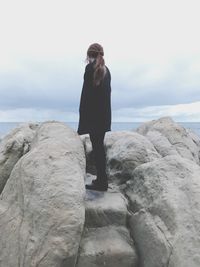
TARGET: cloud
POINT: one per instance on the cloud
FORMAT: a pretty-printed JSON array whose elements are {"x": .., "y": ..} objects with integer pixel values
[
  {"x": 181, "y": 112},
  {"x": 42, "y": 85},
  {"x": 152, "y": 51},
  {"x": 36, "y": 114},
  {"x": 54, "y": 84}
]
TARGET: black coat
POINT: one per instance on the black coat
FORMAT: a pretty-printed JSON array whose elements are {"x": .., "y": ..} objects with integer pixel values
[{"x": 95, "y": 103}]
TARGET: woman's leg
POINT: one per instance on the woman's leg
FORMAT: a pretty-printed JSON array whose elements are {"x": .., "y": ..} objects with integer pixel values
[{"x": 97, "y": 140}]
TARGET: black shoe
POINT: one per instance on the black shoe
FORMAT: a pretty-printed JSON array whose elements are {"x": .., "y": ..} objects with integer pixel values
[{"x": 97, "y": 187}]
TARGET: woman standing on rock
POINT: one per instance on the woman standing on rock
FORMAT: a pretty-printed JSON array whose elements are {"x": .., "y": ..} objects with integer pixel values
[{"x": 95, "y": 110}]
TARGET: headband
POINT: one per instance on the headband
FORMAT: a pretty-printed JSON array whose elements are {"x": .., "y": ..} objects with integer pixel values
[{"x": 92, "y": 50}]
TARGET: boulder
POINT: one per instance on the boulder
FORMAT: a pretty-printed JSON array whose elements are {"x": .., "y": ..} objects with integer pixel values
[
  {"x": 149, "y": 217},
  {"x": 109, "y": 246},
  {"x": 12, "y": 147},
  {"x": 170, "y": 138},
  {"x": 164, "y": 196},
  {"x": 103, "y": 209},
  {"x": 106, "y": 240},
  {"x": 109, "y": 140},
  {"x": 125, "y": 152},
  {"x": 42, "y": 204}
]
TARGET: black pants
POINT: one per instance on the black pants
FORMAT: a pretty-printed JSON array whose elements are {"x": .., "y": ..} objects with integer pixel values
[{"x": 97, "y": 140}]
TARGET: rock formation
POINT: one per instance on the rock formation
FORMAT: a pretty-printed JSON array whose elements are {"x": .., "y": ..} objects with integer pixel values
[
  {"x": 12, "y": 147},
  {"x": 157, "y": 168},
  {"x": 42, "y": 204},
  {"x": 150, "y": 216}
]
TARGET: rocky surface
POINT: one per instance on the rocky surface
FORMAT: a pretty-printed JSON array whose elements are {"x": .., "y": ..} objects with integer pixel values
[
  {"x": 170, "y": 138},
  {"x": 103, "y": 209},
  {"x": 127, "y": 152},
  {"x": 42, "y": 208},
  {"x": 107, "y": 246},
  {"x": 12, "y": 147},
  {"x": 149, "y": 217},
  {"x": 165, "y": 199},
  {"x": 156, "y": 166},
  {"x": 106, "y": 240}
]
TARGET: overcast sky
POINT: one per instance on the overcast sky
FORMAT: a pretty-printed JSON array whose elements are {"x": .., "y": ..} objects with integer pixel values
[{"x": 152, "y": 49}]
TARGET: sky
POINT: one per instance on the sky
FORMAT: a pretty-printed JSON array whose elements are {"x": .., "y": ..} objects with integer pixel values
[{"x": 152, "y": 49}]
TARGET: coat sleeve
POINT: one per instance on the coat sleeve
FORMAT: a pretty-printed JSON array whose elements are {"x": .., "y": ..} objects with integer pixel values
[
  {"x": 102, "y": 102},
  {"x": 84, "y": 89},
  {"x": 107, "y": 101}
]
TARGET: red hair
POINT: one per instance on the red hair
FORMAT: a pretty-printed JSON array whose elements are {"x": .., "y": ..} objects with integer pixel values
[{"x": 96, "y": 51}]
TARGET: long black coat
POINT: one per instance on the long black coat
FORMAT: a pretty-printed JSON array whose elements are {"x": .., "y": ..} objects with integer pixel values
[{"x": 95, "y": 103}]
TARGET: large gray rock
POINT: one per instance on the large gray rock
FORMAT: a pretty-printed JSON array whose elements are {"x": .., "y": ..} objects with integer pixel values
[
  {"x": 107, "y": 208},
  {"x": 12, "y": 147},
  {"x": 109, "y": 246},
  {"x": 170, "y": 138},
  {"x": 109, "y": 141},
  {"x": 125, "y": 152},
  {"x": 42, "y": 204},
  {"x": 164, "y": 196},
  {"x": 154, "y": 245},
  {"x": 158, "y": 167},
  {"x": 106, "y": 240}
]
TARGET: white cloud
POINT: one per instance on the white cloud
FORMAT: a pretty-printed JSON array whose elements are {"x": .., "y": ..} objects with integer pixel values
[
  {"x": 134, "y": 31},
  {"x": 39, "y": 114},
  {"x": 182, "y": 112},
  {"x": 152, "y": 49}
]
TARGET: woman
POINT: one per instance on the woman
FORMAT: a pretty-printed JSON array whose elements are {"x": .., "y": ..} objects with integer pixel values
[{"x": 95, "y": 111}]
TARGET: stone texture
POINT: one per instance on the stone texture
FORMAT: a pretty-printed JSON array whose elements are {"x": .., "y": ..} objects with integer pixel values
[
  {"x": 161, "y": 178},
  {"x": 170, "y": 138},
  {"x": 154, "y": 247},
  {"x": 107, "y": 246},
  {"x": 109, "y": 141},
  {"x": 105, "y": 208},
  {"x": 150, "y": 216},
  {"x": 164, "y": 196},
  {"x": 42, "y": 204},
  {"x": 106, "y": 240},
  {"x": 12, "y": 147},
  {"x": 126, "y": 153}
]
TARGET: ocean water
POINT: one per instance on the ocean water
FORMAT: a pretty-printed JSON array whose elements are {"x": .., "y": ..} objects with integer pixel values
[{"x": 5, "y": 127}]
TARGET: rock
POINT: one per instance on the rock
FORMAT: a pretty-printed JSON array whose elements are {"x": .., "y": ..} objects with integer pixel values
[
  {"x": 126, "y": 153},
  {"x": 154, "y": 247},
  {"x": 170, "y": 138},
  {"x": 112, "y": 137},
  {"x": 149, "y": 217},
  {"x": 109, "y": 140},
  {"x": 103, "y": 209},
  {"x": 12, "y": 147},
  {"x": 107, "y": 246},
  {"x": 164, "y": 196},
  {"x": 42, "y": 204},
  {"x": 106, "y": 241}
]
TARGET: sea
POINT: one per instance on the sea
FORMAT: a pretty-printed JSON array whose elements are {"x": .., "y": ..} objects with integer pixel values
[{"x": 6, "y": 127}]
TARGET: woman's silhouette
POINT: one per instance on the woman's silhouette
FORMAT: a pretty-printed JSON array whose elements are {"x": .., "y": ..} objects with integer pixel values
[{"x": 95, "y": 110}]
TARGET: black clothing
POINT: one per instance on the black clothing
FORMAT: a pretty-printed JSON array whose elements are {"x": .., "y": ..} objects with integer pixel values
[
  {"x": 98, "y": 187},
  {"x": 97, "y": 140},
  {"x": 95, "y": 120},
  {"x": 95, "y": 103}
]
